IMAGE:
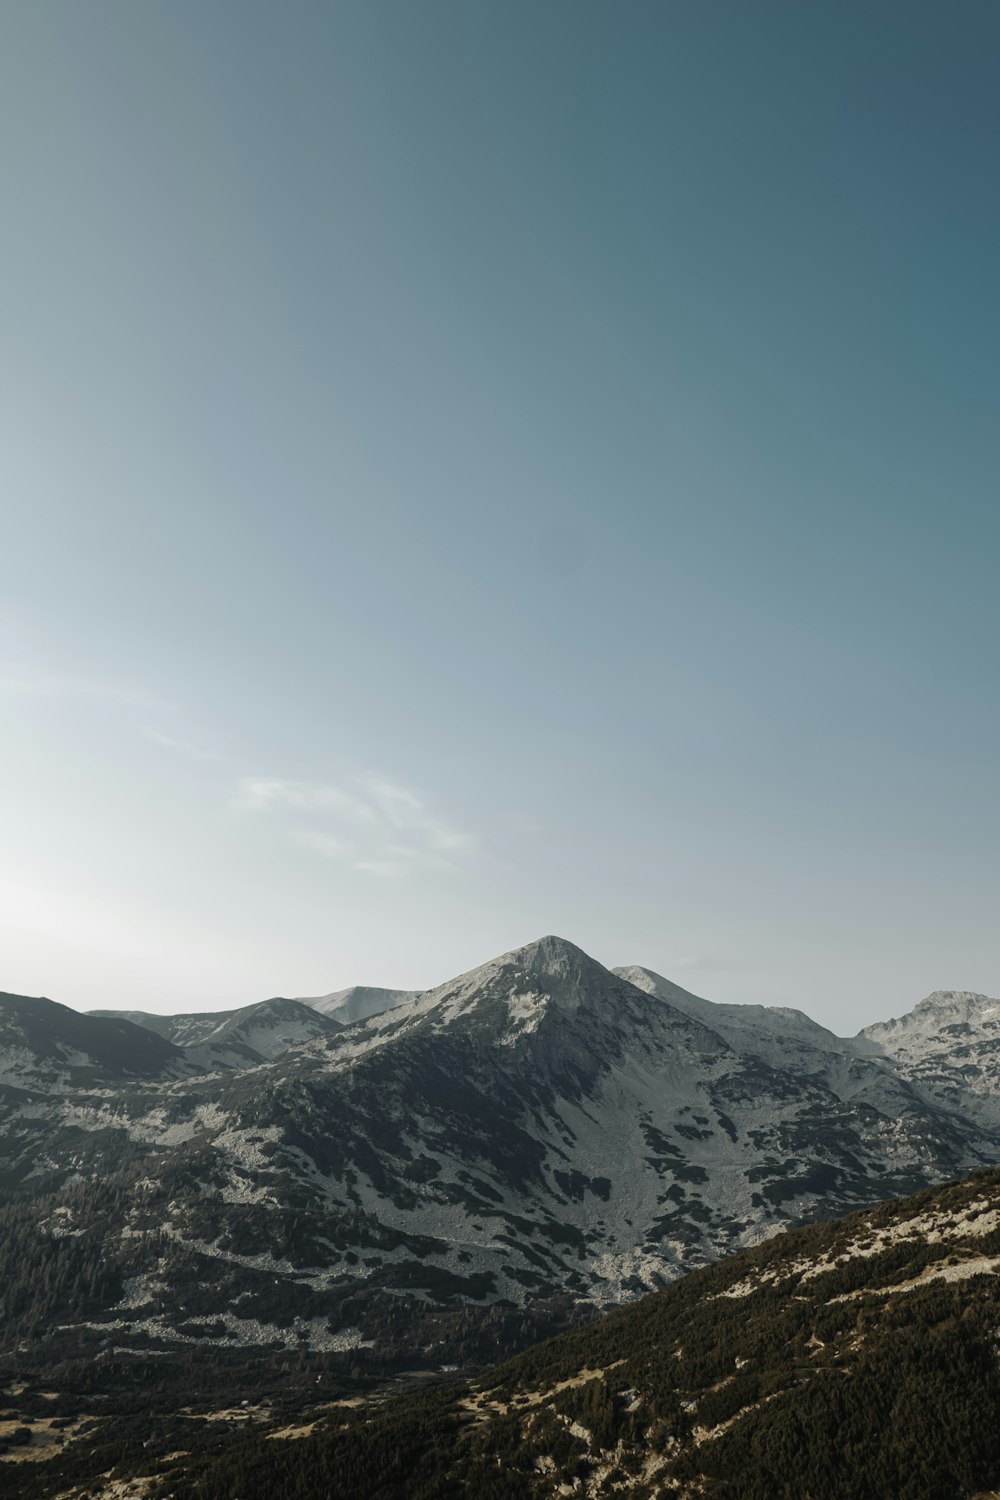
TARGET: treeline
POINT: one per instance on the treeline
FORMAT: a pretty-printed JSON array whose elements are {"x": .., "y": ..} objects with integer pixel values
[
  {"x": 65, "y": 1261},
  {"x": 815, "y": 1384},
  {"x": 809, "y": 1388},
  {"x": 53, "y": 1271}
]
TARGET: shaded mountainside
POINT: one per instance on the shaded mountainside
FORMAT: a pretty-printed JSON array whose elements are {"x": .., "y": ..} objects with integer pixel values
[
  {"x": 443, "y": 1178},
  {"x": 855, "y": 1358},
  {"x": 236, "y": 1038},
  {"x": 47, "y": 1045}
]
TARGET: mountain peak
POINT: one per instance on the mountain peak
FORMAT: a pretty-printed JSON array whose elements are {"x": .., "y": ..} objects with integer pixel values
[
  {"x": 939, "y": 1011},
  {"x": 963, "y": 999},
  {"x": 558, "y": 967},
  {"x": 956, "y": 1007},
  {"x": 549, "y": 955},
  {"x": 358, "y": 1003},
  {"x": 547, "y": 975}
]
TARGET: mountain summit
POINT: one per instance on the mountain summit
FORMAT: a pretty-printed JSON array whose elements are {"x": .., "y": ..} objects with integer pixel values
[
  {"x": 551, "y": 971},
  {"x": 949, "y": 1046},
  {"x": 939, "y": 1011},
  {"x": 358, "y": 1003},
  {"x": 538, "y": 1136}
]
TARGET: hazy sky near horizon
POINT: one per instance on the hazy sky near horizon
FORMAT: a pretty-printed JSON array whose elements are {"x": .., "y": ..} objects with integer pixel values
[{"x": 475, "y": 470}]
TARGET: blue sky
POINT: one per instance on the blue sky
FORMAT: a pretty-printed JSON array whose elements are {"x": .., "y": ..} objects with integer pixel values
[{"x": 474, "y": 470}]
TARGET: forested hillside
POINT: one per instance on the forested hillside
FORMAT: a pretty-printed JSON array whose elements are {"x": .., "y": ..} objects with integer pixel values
[
  {"x": 852, "y": 1359},
  {"x": 846, "y": 1360}
]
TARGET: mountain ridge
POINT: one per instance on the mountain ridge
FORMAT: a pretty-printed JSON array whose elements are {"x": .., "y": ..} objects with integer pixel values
[
  {"x": 360, "y": 1002},
  {"x": 540, "y": 1135}
]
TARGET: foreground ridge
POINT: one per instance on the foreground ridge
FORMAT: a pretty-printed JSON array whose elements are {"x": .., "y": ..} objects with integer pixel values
[{"x": 854, "y": 1358}]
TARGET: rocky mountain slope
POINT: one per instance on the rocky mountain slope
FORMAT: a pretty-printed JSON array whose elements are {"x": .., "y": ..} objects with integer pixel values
[
  {"x": 852, "y": 1359},
  {"x": 949, "y": 1045},
  {"x": 536, "y": 1139},
  {"x": 236, "y": 1038},
  {"x": 857, "y": 1358}
]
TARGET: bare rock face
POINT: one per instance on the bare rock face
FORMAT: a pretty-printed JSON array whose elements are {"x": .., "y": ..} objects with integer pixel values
[{"x": 949, "y": 1045}]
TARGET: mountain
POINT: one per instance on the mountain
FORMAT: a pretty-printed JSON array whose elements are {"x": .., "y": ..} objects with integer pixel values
[
  {"x": 236, "y": 1038},
  {"x": 186, "y": 1029},
  {"x": 358, "y": 1003},
  {"x": 162, "y": 1025},
  {"x": 531, "y": 1141},
  {"x": 852, "y": 1359},
  {"x": 774, "y": 1033},
  {"x": 850, "y": 1067},
  {"x": 257, "y": 1032},
  {"x": 949, "y": 1044},
  {"x": 52, "y": 1047}
]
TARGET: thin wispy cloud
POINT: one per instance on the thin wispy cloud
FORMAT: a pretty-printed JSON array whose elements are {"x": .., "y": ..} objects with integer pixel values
[
  {"x": 385, "y": 869},
  {"x": 272, "y": 793},
  {"x": 22, "y": 682},
  {"x": 323, "y": 843},
  {"x": 181, "y": 746},
  {"x": 369, "y": 822},
  {"x": 404, "y": 810}
]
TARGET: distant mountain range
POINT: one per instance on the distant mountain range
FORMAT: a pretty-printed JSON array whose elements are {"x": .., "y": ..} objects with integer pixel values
[
  {"x": 235, "y": 1038},
  {"x": 390, "y": 1173},
  {"x": 359, "y": 1003}
]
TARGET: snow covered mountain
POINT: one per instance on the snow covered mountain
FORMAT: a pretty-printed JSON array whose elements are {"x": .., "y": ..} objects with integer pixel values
[
  {"x": 772, "y": 1031},
  {"x": 949, "y": 1045},
  {"x": 358, "y": 1003},
  {"x": 537, "y": 1133},
  {"x": 787, "y": 1039},
  {"x": 193, "y": 1028},
  {"x": 235, "y": 1038},
  {"x": 258, "y": 1032}
]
